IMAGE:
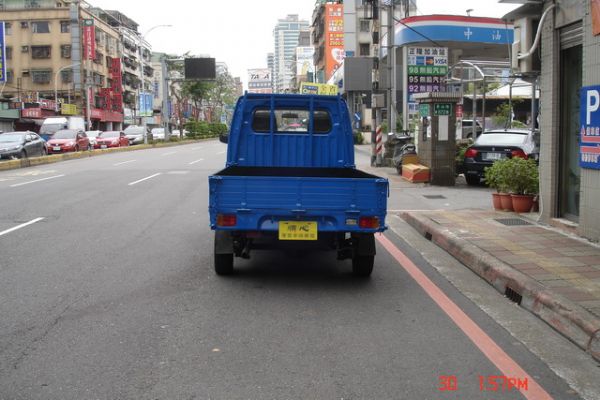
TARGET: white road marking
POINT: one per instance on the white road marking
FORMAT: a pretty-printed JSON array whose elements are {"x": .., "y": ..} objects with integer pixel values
[
  {"x": 145, "y": 179},
  {"x": 33, "y": 221},
  {"x": 169, "y": 153},
  {"x": 124, "y": 162},
  {"x": 197, "y": 161},
  {"x": 37, "y": 180}
]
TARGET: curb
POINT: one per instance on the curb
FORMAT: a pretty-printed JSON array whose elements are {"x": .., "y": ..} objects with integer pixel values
[
  {"x": 570, "y": 319},
  {"x": 54, "y": 158}
]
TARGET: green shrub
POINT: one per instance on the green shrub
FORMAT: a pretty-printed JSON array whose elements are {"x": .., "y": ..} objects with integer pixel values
[{"x": 513, "y": 175}]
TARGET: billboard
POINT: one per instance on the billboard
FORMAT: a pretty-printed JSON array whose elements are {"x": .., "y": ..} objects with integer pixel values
[
  {"x": 200, "y": 69},
  {"x": 145, "y": 105},
  {"x": 304, "y": 60},
  {"x": 259, "y": 80},
  {"x": 334, "y": 38},
  {"x": 89, "y": 39},
  {"x": 426, "y": 69},
  {"x": 589, "y": 142}
]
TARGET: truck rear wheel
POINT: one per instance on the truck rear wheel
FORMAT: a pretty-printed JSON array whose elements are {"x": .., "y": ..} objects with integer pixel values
[
  {"x": 362, "y": 265},
  {"x": 223, "y": 264}
]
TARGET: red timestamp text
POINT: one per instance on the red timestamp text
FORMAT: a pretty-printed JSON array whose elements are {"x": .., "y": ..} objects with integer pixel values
[{"x": 490, "y": 383}]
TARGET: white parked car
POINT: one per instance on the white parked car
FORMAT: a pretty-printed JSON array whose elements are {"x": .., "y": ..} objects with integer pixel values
[
  {"x": 158, "y": 133},
  {"x": 176, "y": 132},
  {"x": 92, "y": 135}
]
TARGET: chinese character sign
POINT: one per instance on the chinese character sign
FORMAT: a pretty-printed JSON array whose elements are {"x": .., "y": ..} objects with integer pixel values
[
  {"x": 589, "y": 148},
  {"x": 426, "y": 69},
  {"x": 89, "y": 39},
  {"x": 334, "y": 38},
  {"x": 2, "y": 55}
]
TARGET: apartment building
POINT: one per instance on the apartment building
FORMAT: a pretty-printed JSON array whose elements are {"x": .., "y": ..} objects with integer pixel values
[
  {"x": 46, "y": 73},
  {"x": 285, "y": 35}
]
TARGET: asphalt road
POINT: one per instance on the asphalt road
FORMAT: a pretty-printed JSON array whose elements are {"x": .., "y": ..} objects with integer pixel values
[{"x": 107, "y": 292}]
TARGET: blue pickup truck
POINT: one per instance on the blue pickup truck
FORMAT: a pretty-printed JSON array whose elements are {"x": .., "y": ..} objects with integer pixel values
[{"x": 290, "y": 183}]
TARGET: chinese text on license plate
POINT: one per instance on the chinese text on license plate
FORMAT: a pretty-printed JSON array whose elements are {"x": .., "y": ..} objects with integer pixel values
[{"x": 297, "y": 230}]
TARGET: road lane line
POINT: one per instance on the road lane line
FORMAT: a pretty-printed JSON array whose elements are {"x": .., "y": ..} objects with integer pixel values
[
  {"x": 145, "y": 179},
  {"x": 486, "y": 344},
  {"x": 124, "y": 162},
  {"x": 33, "y": 221},
  {"x": 37, "y": 180},
  {"x": 197, "y": 161},
  {"x": 169, "y": 153}
]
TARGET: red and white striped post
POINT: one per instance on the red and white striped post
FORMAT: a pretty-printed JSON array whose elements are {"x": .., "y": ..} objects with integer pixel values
[{"x": 378, "y": 146}]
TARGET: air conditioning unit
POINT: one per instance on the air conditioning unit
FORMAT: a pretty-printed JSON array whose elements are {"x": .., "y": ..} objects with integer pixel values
[
  {"x": 523, "y": 34},
  {"x": 24, "y": 24}
]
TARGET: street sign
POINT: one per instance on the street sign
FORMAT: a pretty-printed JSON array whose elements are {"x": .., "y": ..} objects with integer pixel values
[
  {"x": 357, "y": 117},
  {"x": 589, "y": 143},
  {"x": 424, "y": 110},
  {"x": 440, "y": 109}
]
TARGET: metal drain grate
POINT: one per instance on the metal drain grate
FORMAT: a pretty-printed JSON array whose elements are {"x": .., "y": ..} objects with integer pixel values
[
  {"x": 434, "y": 196},
  {"x": 513, "y": 295},
  {"x": 513, "y": 221}
]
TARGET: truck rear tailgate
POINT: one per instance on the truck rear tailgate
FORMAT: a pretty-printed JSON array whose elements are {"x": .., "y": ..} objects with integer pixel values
[{"x": 260, "y": 197}]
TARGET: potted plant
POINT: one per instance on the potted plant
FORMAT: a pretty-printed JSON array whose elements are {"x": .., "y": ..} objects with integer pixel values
[
  {"x": 523, "y": 181},
  {"x": 495, "y": 177}
]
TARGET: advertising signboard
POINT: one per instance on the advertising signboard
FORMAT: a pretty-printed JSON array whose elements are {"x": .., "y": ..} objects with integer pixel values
[
  {"x": 589, "y": 143},
  {"x": 334, "y": 38},
  {"x": 2, "y": 54},
  {"x": 318, "y": 88},
  {"x": 145, "y": 105},
  {"x": 89, "y": 39},
  {"x": 426, "y": 69},
  {"x": 259, "y": 80},
  {"x": 304, "y": 60}
]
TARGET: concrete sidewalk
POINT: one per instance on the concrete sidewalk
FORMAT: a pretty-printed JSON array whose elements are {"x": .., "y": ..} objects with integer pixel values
[{"x": 553, "y": 275}]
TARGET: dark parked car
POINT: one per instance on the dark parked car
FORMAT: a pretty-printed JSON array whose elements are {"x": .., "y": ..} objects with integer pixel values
[
  {"x": 21, "y": 145},
  {"x": 496, "y": 145},
  {"x": 67, "y": 140}
]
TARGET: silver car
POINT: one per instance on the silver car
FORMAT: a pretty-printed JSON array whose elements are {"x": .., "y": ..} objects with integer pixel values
[{"x": 135, "y": 134}]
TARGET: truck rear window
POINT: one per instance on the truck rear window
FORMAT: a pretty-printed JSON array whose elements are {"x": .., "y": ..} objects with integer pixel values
[{"x": 291, "y": 121}]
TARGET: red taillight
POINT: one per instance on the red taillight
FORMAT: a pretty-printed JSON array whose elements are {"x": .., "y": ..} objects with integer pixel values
[
  {"x": 470, "y": 153},
  {"x": 226, "y": 220},
  {"x": 368, "y": 222},
  {"x": 519, "y": 153}
]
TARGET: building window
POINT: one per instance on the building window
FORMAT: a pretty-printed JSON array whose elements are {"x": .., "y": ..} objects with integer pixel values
[
  {"x": 9, "y": 52},
  {"x": 8, "y": 28},
  {"x": 364, "y": 49},
  {"x": 65, "y": 51},
  {"x": 365, "y": 25},
  {"x": 40, "y": 27},
  {"x": 24, "y": 49},
  {"x": 99, "y": 58},
  {"x": 41, "y": 76},
  {"x": 66, "y": 75},
  {"x": 10, "y": 76},
  {"x": 39, "y": 52},
  {"x": 65, "y": 26},
  {"x": 32, "y": 4}
]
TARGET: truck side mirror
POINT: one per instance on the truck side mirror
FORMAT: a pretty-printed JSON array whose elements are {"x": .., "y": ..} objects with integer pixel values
[{"x": 224, "y": 137}]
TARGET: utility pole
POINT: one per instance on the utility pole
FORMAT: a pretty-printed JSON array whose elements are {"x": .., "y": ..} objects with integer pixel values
[
  {"x": 165, "y": 95},
  {"x": 391, "y": 65}
]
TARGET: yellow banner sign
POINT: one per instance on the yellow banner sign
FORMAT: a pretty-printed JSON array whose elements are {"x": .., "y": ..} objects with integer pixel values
[
  {"x": 69, "y": 109},
  {"x": 318, "y": 88}
]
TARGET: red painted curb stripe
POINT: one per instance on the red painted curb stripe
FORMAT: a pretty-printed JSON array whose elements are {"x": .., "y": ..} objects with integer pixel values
[{"x": 479, "y": 338}]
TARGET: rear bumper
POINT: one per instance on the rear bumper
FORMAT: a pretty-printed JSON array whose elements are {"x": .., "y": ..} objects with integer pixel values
[{"x": 475, "y": 167}]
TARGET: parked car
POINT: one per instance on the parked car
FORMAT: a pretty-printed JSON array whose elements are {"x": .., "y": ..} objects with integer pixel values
[
  {"x": 68, "y": 140},
  {"x": 21, "y": 145},
  {"x": 51, "y": 125},
  {"x": 176, "y": 132},
  {"x": 135, "y": 134},
  {"x": 111, "y": 139},
  {"x": 158, "y": 133},
  {"x": 467, "y": 129},
  {"x": 496, "y": 145},
  {"x": 92, "y": 135}
]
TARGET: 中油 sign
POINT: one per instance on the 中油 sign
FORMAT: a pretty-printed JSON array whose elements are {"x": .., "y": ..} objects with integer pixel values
[{"x": 589, "y": 143}]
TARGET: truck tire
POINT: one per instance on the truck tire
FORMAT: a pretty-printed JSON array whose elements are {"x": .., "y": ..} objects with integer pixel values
[
  {"x": 362, "y": 265},
  {"x": 223, "y": 264}
]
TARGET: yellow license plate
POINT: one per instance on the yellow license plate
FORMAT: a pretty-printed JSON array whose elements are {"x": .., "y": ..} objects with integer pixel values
[{"x": 297, "y": 230}]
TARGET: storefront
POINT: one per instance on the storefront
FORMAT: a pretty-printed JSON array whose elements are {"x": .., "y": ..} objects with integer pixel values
[{"x": 570, "y": 70}]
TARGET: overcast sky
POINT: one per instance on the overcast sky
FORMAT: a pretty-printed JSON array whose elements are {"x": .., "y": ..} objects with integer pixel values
[{"x": 239, "y": 32}]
